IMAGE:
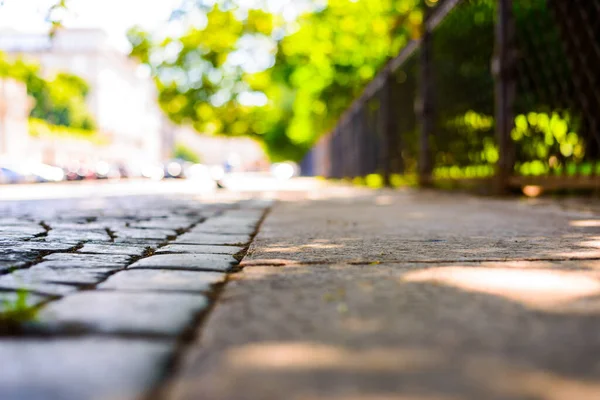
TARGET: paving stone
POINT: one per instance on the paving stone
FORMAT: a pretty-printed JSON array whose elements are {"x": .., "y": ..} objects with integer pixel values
[
  {"x": 79, "y": 236},
  {"x": 97, "y": 225},
  {"x": 9, "y": 282},
  {"x": 230, "y": 229},
  {"x": 17, "y": 250},
  {"x": 210, "y": 238},
  {"x": 33, "y": 229},
  {"x": 13, "y": 259},
  {"x": 149, "y": 280},
  {"x": 81, "y": 368},
  {"x": 16, "y": 236},
  {"x": 11, "y": 221},
  {"x": 39, "y": 246},
  {"x": 67, "y": 265},
  {"x": 164, "y": 223},
  {"x": 89, "y": 259},
  {"x": 200, "y": 262},
  {"x": 7, "y": 298},
  {"x": 97, "y": 248},
  {"x": 198, "y": 249},
  {"x": 6, "y": 266},
  {"x": 130, "y": 233},
  {"x": 123, "y": 312},
  {"x": 42, "y": 274},
  {"x": 231, "y": 221}
]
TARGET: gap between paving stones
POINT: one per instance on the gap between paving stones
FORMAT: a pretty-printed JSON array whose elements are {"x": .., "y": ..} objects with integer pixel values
[
  {"x": 46, "y": 298},
  {"x": 180, "y": 341},
  {"x": 159, "y": 392}
]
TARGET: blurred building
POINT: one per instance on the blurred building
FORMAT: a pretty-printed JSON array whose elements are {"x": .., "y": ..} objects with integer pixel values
[
  {"x": 242, "y": 154},
  {"x": 122, "y": 98},
  {"x": 14, "y": 113}
]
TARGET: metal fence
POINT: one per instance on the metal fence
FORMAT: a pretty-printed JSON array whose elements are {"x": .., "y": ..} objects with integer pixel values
[{"x": 500, "y": 92}]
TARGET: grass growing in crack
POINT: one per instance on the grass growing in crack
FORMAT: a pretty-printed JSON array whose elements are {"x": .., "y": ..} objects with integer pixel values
[
  {"x": 13, "y": 268},
  {"x": 17, "y": 310}
]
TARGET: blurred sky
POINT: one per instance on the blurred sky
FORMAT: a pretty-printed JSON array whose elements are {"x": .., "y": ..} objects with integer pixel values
[
  {"x": 117, "y": 16},
  {"x": 113, "y": 16}
]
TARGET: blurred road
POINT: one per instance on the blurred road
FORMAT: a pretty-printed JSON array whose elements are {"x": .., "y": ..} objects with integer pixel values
[
  {"x": 49, "y": 198},
  {"x": 239, "y": 182}
]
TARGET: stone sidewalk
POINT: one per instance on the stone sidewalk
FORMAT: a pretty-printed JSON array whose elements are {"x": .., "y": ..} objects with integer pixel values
[
  {"x": 342, "y": 294},
  {"x": 405, "y": 295}
]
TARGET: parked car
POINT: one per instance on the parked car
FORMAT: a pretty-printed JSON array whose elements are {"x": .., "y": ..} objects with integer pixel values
[
  {"x": 46, "y": 173},
  {"x": 8, "y": 175}
]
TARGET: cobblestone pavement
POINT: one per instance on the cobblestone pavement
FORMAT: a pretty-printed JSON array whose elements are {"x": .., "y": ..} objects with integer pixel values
[
  {"x": 98, "y": 296},
  {"x": 341, "y": 294}
]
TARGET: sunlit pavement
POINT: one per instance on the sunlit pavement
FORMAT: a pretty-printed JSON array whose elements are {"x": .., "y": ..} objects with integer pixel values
[
  {"x": 344, "y": 293},
  {"x": 406, "y": 295},
  {"x": 233, "y": 183}
]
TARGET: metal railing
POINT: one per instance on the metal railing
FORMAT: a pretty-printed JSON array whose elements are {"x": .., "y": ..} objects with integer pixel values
[{"x": 500, "y": 92}]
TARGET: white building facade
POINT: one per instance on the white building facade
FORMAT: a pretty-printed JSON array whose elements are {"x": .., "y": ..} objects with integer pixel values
[{"x": 122, "y": 99}]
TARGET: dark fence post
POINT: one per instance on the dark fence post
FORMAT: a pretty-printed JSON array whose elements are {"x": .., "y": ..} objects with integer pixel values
[
  {"x": 424, "y": 106},
  {"x": 388, "y": 126},
  {"x": 503, "y": 67}
]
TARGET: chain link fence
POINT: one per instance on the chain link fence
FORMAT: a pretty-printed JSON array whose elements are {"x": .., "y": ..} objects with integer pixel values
[{"x": 498, "y": 93}]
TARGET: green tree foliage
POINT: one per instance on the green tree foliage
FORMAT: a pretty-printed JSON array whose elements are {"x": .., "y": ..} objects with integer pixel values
[
  {"x": 242, "y": 70},
  {"x": 58, "y": 101}
]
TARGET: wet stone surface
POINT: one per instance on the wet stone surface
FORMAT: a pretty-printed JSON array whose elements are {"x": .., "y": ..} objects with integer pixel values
[{"x": 112, "y": 267}]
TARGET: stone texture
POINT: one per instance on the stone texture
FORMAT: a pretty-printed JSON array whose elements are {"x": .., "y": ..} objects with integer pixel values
[
  {"x": 163, "y": 280},
  {"x": 14, "y": 260},
  {"x": 138, "y": 314},
  {"x": 199, "y": 249},
  {"x": 34, "y": 245},
  {"x": 53, "y": 281},
  {"x": 200, "y": 262},
  {"x": 16, "y": 236},
  {"x": 38, "y": 287},
  {"x": 80, "y": 368},
  {"x": 404, "y": 331},
  {"x": 374, "y": 297},
  {"x": 164, "y": 223},
  {"x": 98, "y": 225},
  {"x": 130, "y": 233},
  {"x": 97, "y": 248},
  {"x": 225, "y": 228},
  {"x": 67, "y": 235},
  {"x": 212, "y": 239},
  {"x": 87, "y": 259},
  {"x": 162, "y": 314},
  {"x": 365, "y": 226},
  {"x": 69, "y": 265},
  {"x": 27, "y": 229}
]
